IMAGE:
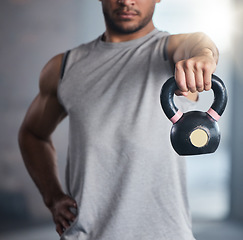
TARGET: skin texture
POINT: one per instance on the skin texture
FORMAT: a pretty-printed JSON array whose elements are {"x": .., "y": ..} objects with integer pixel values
[
  {"x": 193, "y": 56},
  {"x": 38, "y": 152},
  {"x": 128, "y": 17}
]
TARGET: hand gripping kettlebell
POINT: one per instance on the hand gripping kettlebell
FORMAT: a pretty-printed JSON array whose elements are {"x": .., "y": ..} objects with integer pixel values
[{"x": 194, "y": 132}]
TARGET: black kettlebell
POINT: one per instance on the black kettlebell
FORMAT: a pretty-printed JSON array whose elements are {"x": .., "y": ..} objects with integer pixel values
[{"x": 194, "y": 132}]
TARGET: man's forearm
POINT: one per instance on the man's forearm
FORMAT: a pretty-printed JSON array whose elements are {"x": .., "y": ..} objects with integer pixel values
[
  {"x": 40, "y": 160},
  {"x": 191, "y": 45},
  {"x": 199, "y": 44}
]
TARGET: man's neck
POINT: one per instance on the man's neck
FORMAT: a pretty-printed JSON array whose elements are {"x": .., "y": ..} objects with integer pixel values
[{"x": 111, "y": 36}]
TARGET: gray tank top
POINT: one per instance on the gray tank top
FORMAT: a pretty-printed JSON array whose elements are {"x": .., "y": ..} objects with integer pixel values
[{"x": 128, "y": 182}]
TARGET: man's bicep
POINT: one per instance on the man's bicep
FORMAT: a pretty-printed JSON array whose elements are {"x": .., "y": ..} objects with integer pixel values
[
  {"x": 45, "y": 112},
  {"x": 43, "y": 115}
]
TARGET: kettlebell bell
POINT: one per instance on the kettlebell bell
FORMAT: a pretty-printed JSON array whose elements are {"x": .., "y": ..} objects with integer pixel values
[{"x": 194, "y": 132}]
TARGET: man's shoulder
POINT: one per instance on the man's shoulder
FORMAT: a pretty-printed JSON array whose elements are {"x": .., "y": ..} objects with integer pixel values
[
  {"x": 50, "y": 74},
  {"x": 81, "y": 50},
  {"x": 86, "y": 45}
]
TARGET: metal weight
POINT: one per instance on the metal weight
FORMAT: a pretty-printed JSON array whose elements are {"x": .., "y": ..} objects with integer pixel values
[{"x": 194, "y": 132}]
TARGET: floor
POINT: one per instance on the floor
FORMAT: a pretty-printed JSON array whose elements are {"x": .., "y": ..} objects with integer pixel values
[{"x": 203, "y": 230}]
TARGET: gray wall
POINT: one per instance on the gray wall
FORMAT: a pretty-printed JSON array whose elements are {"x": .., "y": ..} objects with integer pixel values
[{"x": 31, "y": 32}]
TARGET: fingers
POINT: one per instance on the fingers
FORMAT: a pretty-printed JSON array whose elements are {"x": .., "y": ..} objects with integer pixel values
[
  {"x": 59, "y": 229},
  {"x": 194, "y": 74},
  {"x": 207, "y": 80},
  {"x": 62, "y": 213},
  {"x": 62, "y": 225}
]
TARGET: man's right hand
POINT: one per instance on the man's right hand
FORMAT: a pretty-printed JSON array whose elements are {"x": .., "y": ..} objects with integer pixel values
[{"x": 61, "y": 212}]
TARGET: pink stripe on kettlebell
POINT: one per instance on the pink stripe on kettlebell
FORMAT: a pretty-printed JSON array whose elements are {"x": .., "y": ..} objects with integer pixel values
[
  {"x": 213, "y": 114},
  {"x": 176, "y": 117}
]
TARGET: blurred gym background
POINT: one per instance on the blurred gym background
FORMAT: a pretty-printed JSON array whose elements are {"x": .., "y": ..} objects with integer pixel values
[{"x": 33, "y": 31}]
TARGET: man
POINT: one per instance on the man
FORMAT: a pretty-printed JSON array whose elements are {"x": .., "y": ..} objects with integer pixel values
[{"x": 124, "y": 180}]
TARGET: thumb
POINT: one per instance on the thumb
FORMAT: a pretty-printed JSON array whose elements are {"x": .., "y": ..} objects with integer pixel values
[{"x": 180, "y": 93}]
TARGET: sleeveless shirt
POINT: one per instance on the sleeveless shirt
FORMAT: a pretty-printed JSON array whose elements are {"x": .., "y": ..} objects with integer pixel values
[{"x": 127, "y": 180}]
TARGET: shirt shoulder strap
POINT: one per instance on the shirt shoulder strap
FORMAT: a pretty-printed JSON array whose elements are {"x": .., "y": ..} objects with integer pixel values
[{"x": 64, "y": 61}]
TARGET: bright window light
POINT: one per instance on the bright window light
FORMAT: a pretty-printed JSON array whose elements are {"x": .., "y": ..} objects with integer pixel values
[{"x": 214, "y": 17}]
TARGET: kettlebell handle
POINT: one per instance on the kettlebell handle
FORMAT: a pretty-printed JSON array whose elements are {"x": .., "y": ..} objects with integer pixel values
[{"x": 174, "y": 114}]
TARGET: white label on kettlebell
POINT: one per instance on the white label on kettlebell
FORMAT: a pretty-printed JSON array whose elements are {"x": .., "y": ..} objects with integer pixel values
[{"x": 199, "y": 138}]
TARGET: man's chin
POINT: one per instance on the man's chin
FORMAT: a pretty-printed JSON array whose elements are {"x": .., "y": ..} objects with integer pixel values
[{"x": 126, "y": 28}]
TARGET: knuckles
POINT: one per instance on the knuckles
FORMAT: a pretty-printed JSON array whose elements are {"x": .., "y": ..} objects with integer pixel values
[
  {"x": 189, "y": 64},
  {"x": 62, "y": 214},
  {"x": 193, "y": 74}
]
